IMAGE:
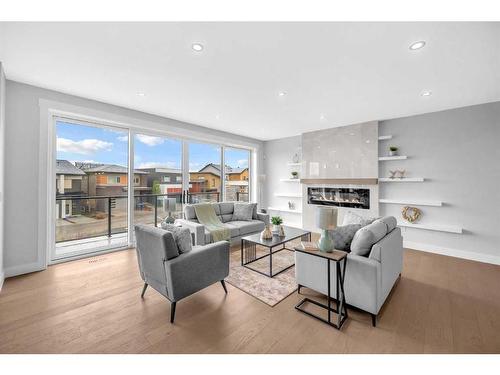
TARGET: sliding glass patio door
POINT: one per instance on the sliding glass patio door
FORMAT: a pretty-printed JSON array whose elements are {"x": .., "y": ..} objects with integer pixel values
[
  {"x": 108, "y": 178},
  {"x": 159, "y": 181},
  {"x": 91, "y": 182},
  {"x": 205, "y": 173}
]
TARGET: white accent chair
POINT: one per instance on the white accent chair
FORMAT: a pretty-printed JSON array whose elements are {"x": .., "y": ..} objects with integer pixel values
[{"x": 368, "y": 279}]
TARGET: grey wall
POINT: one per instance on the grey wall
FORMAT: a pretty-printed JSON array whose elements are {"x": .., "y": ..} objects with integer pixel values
[
  {"x": 2, "y": 170},
  {"x": 22, "y": 162},
  {"x": 457, "y": 152}
]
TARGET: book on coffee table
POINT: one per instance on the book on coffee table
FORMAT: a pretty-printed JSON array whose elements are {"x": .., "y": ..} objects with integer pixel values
[{"x": 309, "y": 246}]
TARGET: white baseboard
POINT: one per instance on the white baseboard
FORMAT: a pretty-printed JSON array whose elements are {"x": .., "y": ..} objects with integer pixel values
[
  {"x": 2, "y": 279},
  {"x": 485, "y": 258},
  {"x": 24, "y": 268}
]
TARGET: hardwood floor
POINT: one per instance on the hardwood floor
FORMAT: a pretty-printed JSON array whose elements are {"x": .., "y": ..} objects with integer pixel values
[{"x": 440, "y": 305}]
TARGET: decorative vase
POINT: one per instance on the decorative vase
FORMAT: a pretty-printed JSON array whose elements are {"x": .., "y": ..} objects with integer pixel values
[
  {"x": 266, "y": 234},
  {"x": 325, "y": 243},
  {"x": 281, "y": 231},
  {"x": 295, "y": 158},
  {"x": 393, "y": 153}
]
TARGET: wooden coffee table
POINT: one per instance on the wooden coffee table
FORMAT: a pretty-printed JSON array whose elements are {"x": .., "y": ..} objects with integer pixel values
[{"x": 249, "y": 248}]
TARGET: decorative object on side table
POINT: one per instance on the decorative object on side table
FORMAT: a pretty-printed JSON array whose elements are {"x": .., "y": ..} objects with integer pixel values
[
  {"x": 326, "y": 219},
  {"x": 291, "y": 205},
  {"x": 295, "y": 174},
  {"x": 266, "y": 234},
  {"x": 393, "y": 151},
  {"x": 169, "y": 206},
  {"x": 277, "y": 227},
  {"x": 411, "y": 214}
]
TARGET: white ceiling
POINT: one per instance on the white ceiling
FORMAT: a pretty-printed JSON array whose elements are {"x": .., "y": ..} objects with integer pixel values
[{"x": 345, "y": 72}]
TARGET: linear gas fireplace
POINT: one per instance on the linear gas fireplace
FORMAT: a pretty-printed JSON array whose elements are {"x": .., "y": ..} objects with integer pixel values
[{"x": 340, "y": 197}]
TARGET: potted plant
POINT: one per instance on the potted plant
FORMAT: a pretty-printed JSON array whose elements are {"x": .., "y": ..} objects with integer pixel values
[
  {"x": 393, "y": 151},
  {"x": 277, "y": 228},
  {"x": 295, "y": 174}
]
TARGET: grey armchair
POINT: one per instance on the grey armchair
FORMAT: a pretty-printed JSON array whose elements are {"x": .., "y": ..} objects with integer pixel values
[{"x": 177, "y": 275}]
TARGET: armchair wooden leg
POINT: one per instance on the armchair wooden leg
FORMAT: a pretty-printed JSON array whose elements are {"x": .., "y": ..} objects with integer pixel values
[
  {"x": 144, "y": 289},
  {"x": 172, "y": 311},
  {"x": 224, "y": 285},
  {"x": 374, "y": 320},
  {"x": 298, "y": 289}
]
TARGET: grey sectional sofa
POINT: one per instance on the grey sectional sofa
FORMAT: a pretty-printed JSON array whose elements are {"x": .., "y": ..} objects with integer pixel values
[
  {"x": 369, "y": 276},
  {"x": 224, "y": 210}
]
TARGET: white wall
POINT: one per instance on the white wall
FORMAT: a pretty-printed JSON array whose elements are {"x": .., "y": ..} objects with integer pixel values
[
  {"x": 22, "y": 154},
  {"x": 458, "y": 153},
  {"x": 277, "y": 154},
  {"x": 2, "y": 170}
]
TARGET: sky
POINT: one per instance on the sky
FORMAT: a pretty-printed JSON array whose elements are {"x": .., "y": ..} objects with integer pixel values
[{"x": 110, "y": 146}]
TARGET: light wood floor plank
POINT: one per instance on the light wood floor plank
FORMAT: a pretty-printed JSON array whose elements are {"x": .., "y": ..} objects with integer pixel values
[{"x": 440, "y": 305}]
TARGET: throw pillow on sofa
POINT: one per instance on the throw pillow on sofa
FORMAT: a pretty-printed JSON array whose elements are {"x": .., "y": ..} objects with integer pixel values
[
  {"x": 182, "y": 237},
  {"x": 342, "y": 236},
  {"x": 366, "y": 237},
  {"x": 243, "y": 211},
  {"x": 353, "y": 218}
]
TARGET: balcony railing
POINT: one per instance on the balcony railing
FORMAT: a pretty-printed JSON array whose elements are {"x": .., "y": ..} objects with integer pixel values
[{"x": 96, "y": 216}]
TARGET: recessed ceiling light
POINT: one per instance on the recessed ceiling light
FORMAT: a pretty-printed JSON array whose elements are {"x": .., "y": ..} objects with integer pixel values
[
  {"x": 426, "y": 93},
  {"x": 141, "y": 94},
  {"x": 322, "y": 117},
  {"x": 217, "y": 117},
  {"x": 417, "y": 45},
  {"x": 282, "y": 93},
  {"x": 197, "y": 47}
]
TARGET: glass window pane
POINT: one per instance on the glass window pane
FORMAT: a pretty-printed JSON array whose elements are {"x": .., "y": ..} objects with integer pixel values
[
  {"x": 91, "y": 187},
  {"x": 157, "y": 162},
  {"x": 237, "y": 174},
  {"x": 204, "y": 173}
]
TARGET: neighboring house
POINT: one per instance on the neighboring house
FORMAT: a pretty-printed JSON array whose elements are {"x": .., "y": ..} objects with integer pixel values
[
  {"x": 168, "y": 179},
  {"x": 110, "y": 180},
  {"x": 208, "y": 179},
  {"x": 68, "y": 183}
]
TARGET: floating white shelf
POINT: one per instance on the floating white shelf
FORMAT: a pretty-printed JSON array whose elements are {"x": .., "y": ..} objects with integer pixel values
[
  {"x": 294, "y": 164},
  {"x": 384, "y": 137},
  {"x": 406, "y": 179},
  {"x": 284, "y": 210},
  {"x": 290, "y": 195},
  {"x": 411, "y": 202},
  {"x": 435, "y": 227},
  {"x": 290, "y": 179},
  {"x": 386, "y": 158}
]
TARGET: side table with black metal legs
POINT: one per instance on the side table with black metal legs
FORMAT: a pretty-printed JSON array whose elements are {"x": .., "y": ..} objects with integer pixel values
[{"x": 340, "y": 260}]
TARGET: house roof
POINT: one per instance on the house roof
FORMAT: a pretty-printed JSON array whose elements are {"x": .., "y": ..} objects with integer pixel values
[
  {"x": 110, "y": 168},
  {"x": 65, "y": 167},
  {"x": 161, "y": 170},
  {"x": 229, "y": 170}
]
